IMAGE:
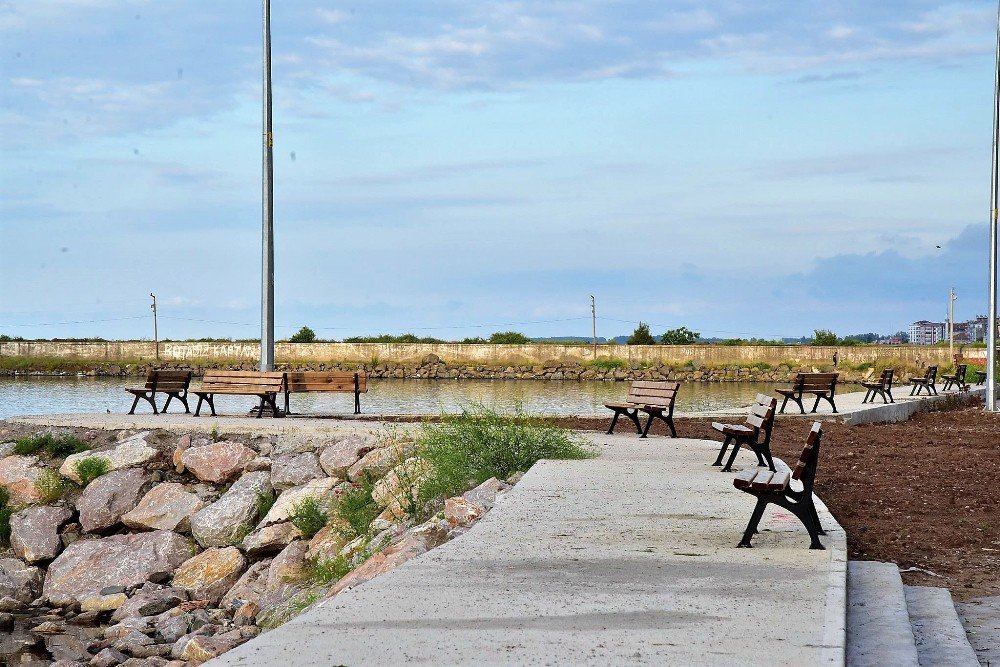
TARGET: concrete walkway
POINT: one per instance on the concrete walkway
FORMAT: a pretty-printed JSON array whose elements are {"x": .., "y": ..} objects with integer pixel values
[{"x": 629, "y": 558}]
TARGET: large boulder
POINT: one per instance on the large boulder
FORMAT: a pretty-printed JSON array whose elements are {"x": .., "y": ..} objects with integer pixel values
[
  {"x": 19, "y": 474},
  {"x": 292, "y": 470},
  {"x": 376, "y": 463},
  {"x": 34, "y": 532},
  {"x": 485, "y": 494},
  {"x": 18, "y": 581},
  {"x": 412, "y": 543},
  {"x": 217, "y": 461},
  {"x": 326, "y": 544},
  {"x": 341, "y": 455},
  {"x": 167, "y": 506},
  {"x": 210, "y": 574},
  {"x": 128, "y": 453},
  {"x": 228, "y": 520},
  {"x": 271, "y": 539},
  {"x": 250, "y": 587},
  {"x": 108, "y": 497},
  {"x": 284, "y": 506},
  {"x": 399, "y": 489},
  {"x": 87, "y": 567}
]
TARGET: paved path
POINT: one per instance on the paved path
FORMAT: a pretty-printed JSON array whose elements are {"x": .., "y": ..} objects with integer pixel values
[{"x": 629, "y": 558}]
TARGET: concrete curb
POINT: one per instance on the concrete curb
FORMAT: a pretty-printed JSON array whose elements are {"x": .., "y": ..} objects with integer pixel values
[{"x": 903, "y": 410}]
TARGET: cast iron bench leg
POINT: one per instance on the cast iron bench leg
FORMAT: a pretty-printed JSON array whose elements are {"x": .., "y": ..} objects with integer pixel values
[
  {"x": 783, "y": 404},
  {"x": 649, "y": 422},
  {"x": 614, "y": 420},
  {"x": 737, "y": 443},
  {"x": 758, "y": 512},
  {"x": 722, "y": 450},
  {"x": 169, "y": 396},
  {"x": 134, "y": 403}
]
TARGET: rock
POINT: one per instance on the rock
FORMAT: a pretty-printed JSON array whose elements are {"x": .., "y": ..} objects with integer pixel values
[
  {"x": 128, "y": 453},
  {"x": 288, "y": 566},
  {"x": 6, "y": 622},
  {"x": 108, "y": 497},
  {"x": 200, "y": 649},
  {"x": 270, "y": 539},
  {"x": 259, "y": 463},
  {"x": 183, "y": 443},
  {"x": 34, "y": 532},
  {"x": 128, "y": 625},
  {"x": 108, "y": 657},
  {"x": 327, "y": 543},
  {"x": 399, "y": 489},
  {"x": 133, "y": 642},
  {"x": 88, "y": 566},
  {"x": 150, "y": 600},
  {"x": 167, "y": 506},
  {"x": 228, "y": 520},
  {"x": 19, "y": 474},
  {"x": 515, "y": 478},
  {"x": 414, "y": 542},
  {"x": 353, "y": 548},
  {"x": 250, "y": 587},
  {"x": 339, "y": 456},
  {"x": 170, "y": 627},
  {"x": 18, "y": 581},
  {"x": 245, "y": 614},
  {"x": 210, "y": 574},
  {"x": 460, "y": 512},
  {"x": 321, "y": 489},
  {"x": 103, "y": 602},
  {"x": 485, "y": 494},
  {"x": 294, "y": 470},
  {"x": 377, "y": 463},
  {"x": 218, "y": 461},
  {"x": 6, "y": 449}
]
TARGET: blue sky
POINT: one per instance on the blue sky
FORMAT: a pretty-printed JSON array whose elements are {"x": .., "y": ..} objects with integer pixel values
[{"x": 455, "y": 168}]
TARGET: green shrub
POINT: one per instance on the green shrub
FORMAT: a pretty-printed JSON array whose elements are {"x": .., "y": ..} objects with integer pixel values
[
  {"x": 50, "y": 486},
  {"x": 5, "y": 513},
  {"x": 608, "y": 364},
  {"x": 327, "y": 570},
  {"x": 356, "y": 509},
  {"x": 465, "y": 450},
  {"x": 508, "y": 338},
  {"x": 760, "y": 365},
  {"x": 309, "y": 516},
  {"x": 680, "y": 336},
  {"x": 59, "y": 447},
  {"x": 641, "y": 336},
  {"x": 265, "y": 501},
  {"x": 303, "y": 335},
  {"x": 91, "y": 468}
]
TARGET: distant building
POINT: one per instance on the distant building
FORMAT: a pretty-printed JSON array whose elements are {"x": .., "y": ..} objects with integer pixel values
[{"x": 927, "y": 333}]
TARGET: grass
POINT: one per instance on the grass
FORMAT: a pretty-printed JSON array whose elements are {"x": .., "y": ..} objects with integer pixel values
[
  {"x": 356, "y": 509},
  {"x": 50, "y": 486},
  {"x": 309, "y": 516},
  {"x": 467, "y": 449},
  {"x": 5, "y": 513},
  {"x": 328, "y": 570},
  {"x": 91, "y": 468},
  {"x": 56, "y": 447},
  {"x": 265, "y": 501},
  {"x": 608, "y": 364}
]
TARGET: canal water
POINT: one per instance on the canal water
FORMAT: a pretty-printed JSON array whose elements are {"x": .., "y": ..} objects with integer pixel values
[{"x": 59, "y": 395}]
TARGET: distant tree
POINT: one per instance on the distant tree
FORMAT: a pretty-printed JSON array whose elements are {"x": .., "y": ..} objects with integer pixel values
[
  {"x": 680, "y": 336},
  {"x": 509, "y": 338},
  {"x": 474, "y": 340},
  {"x": 641, "y": 336},
  {"x": 824, "y": 337},
  {"x": 303, "y": 335}
]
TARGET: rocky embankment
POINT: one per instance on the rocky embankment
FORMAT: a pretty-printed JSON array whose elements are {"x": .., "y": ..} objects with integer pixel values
[
  {"x": 174, "y": 549},
  {"x": 432, "y": 367}
]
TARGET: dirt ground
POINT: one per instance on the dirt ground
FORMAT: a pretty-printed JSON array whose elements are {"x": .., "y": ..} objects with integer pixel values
[{"x": 923, "y": 493}]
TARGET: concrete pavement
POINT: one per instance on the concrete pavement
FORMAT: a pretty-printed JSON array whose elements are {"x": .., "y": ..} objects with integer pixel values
[{"x": 629, "y": 558}]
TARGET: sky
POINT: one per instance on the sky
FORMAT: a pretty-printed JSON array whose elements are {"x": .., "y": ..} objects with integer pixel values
[{"x": 452, "y": 168}]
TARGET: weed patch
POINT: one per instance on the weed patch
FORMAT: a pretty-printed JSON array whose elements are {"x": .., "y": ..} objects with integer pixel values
[
  {"x": 357, "y": 509},
  {"x": 309, "y": 516},
  {"x": 91, "y": 468},
  {"x": 56, "y": 447},
  {"x": 50, "y": 486}
]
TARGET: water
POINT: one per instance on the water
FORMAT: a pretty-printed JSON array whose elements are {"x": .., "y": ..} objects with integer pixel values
[{"x": 35, "y": 395}]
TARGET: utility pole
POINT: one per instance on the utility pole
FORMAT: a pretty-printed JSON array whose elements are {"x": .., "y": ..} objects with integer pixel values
[
  {"x": 951, "y": 323},
  {"x": 267, "y": 240},
  {"x": 991, "y": 327},
  {"x": 593, "y": 321},
  {"x": 156, "y": 332}
]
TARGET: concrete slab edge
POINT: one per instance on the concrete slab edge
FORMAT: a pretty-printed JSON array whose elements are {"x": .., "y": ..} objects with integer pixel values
[
  {"x": 835, "y": 614},
  {"x": 903, "y": 410}
]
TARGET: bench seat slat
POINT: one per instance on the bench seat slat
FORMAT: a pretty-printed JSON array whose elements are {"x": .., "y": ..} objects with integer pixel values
[
  {"x": 761, "y": 480},
  {"x": 743, "y": 479}
]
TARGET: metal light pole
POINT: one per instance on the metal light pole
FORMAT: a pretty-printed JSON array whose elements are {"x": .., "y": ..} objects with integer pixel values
[
  {"x": 267, "y": 269},
  {"x": 156, "y": 332},
  {"x": 593, "y": 321},
  {"x": 951, "y": 323},
  {"x": 991, "y": 326}
]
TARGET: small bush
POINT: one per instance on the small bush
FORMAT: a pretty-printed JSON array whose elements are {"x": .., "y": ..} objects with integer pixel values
[
  {"x": 303, "y": 335},
  {"x": 328, "y": 570},
  {"x": 60, "y": 447},
  {"x": 5, "y": 513},
  {"x": 356, "y": 509},
  {"x": 608, "y": 364},
  {"x": 467, "y": 449},
  {"x": 641, "y": 336},
  {"x": 91, "y": 468},
  {"x": 508, "y": 338},
  {"x": 50, "y": 487},
  {"x": 760, "y": 365},
  {"x": 265, "y": 501},
  {"x": 309, "y": 516}
]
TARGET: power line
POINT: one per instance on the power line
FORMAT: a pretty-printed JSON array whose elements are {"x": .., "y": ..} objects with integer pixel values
[{"x": 53, "y": 324}]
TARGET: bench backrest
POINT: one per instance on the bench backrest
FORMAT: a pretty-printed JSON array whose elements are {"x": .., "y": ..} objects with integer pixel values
[
  {"x": 886, "y": 378},
  {"x": 660, "y": 394},
  {"x": 805, "y": 468},
  {"x": 301, "y": 381},
  {"x": 818, "y": 381},
  {"x": 960, "y": 371},
  {"x": 931, "y": 374},
  {"x": 250, "y": 381},
  {"x": 168, "y": 381},
  {"x": 761, "y": 417}
]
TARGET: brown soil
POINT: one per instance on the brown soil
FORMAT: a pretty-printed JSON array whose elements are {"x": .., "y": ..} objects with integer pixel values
[{"x": 923, "y": 493}]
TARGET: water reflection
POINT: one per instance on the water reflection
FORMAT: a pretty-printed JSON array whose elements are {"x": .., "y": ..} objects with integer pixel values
[{"x": 23, "y": 396}]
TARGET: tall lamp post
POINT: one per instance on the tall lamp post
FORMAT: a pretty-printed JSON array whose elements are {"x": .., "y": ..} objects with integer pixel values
[
  {"x": 991, "y": 325},
  {"x": 267, "y": 268}
]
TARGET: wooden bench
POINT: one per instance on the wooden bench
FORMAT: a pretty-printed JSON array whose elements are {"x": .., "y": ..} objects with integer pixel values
[
  {"x": 773, "y": 487},
  {"x": 926, "y": 382},
  {"x": 654, "y": 398},
  {"x": 172, "y": 383},
  {"x": 759, "y": 423},
  {"x": 956, "y": 379},
  {"x": 309, "y": 381},
  {"x": 980, "y": 377},
  {"x": 820, "y": 385},
  {"x": 881, "y": 388},
  {"x": 265, "y": 386}
]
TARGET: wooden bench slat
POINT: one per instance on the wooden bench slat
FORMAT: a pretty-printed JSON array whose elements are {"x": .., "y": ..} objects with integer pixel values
[
  {"x": 779, "y": 482},
  {"x": 761, "y": 480},
  {"x": 743, "y": 479}
]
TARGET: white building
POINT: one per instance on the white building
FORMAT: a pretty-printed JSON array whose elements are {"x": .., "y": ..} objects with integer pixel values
[{"x": 927, "y": 333}]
